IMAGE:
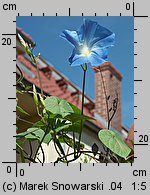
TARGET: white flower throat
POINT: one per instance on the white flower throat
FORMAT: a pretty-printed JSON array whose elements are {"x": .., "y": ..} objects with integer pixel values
[{"x": 85, "y": 51}]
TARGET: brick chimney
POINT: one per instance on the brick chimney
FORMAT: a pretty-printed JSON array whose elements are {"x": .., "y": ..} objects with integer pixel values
[{"x": 112, "y": 81}]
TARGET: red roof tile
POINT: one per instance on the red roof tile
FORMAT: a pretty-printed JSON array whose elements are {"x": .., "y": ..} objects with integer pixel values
[{"x": 54, "y": 87}]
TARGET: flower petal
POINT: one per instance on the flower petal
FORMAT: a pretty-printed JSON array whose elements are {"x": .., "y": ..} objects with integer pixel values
[
  {"x": 95, "y": 59},
  {"x": 106, "y": 42},
  {"x": 79, "y": 60},
  {"x": 91, "y": 32},
  {"x": 71, "y": 36},
  {"x": 102, "y": 52},
  {"x": 87, "y": 30},
  {"x": 102, "y": 32}
]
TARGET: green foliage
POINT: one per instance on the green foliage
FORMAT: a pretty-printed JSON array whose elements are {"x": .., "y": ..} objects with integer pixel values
[
  {"x": 35, "y": 134},
  {"x": 57, "y": 106},
  {"x": 27, "y": 48},
  {"x": 35, "y": 97},
  {"x": 59, "y": 118},
  {"x": 66, "y": 139},
  {"x": 21, "y": 110},
  {"x": 65, "y": 109},
  {"x": 114, "y": 142}
]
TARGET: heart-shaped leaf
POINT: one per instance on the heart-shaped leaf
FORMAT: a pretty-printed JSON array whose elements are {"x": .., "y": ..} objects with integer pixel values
[
  {"x": 114, "y": 142},
  {"x": 57, "y": 106}
]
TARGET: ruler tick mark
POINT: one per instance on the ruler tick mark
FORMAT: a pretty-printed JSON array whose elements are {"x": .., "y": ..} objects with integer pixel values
[
  {"x": 16, "y": 169},
  {"x": 80, "y": 167},
  {"x": 9, "y": 34},
  {"x": 140, "y": 16},
  {"x": 69, "y": 11},
  {"x": 133, "y": 9},
  {"x": 6, "y": 162},
  {"x": 137, "y": 80},
  {"x": 140, "y": 144}
]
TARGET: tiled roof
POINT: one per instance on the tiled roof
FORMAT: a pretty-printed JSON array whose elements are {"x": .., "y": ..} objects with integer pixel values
[
  {"x": 24, "y": 35},
  {"x": 53, "y": 83}
]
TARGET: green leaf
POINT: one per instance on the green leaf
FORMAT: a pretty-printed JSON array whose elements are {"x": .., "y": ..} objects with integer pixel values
[
  {"x": 63, "y": 127},
  {"x": 65, "y": 107},
  {"x": 23, "y": 43},
  {"x": 27, "y": 88},
  {"x": 27, "y": 48},
  {"x": 65, "y": 138},
  {"x": 19, "y": 92},
  {"x": 57, "y": 106},
  {"x": 47, "y": 138},
  {"x": 23, "y": 134},
  {"x": 76, "y": 127},
  {"x": 22, "y": 110},
  {"x": 35, "y": 95},
  {"x": 38, "y": 134},
  {"x": 40, "y": 124},
  {"x": 18, "y": 143},
  {"x": 41, "y": 99},
  {"x": 114, "y": 142},
  {"x": 75, "y": 109},
  {"x": 77, "y": 117},
  {"x": 52, "y": 104}
]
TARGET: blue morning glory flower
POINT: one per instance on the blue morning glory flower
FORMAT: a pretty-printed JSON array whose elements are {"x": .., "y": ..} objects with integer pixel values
[{"x": 91, "y": 42}]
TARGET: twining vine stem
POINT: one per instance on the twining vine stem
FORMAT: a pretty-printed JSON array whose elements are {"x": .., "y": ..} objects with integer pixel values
[{"x": 84, "y": 67}]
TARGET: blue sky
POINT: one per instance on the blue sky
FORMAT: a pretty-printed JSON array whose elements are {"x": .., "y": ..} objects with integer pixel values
[{"x": 45, "y": 32}]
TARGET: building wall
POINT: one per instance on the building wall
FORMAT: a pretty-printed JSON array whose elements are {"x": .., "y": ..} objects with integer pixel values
[{"x": 108, "y": 80}]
